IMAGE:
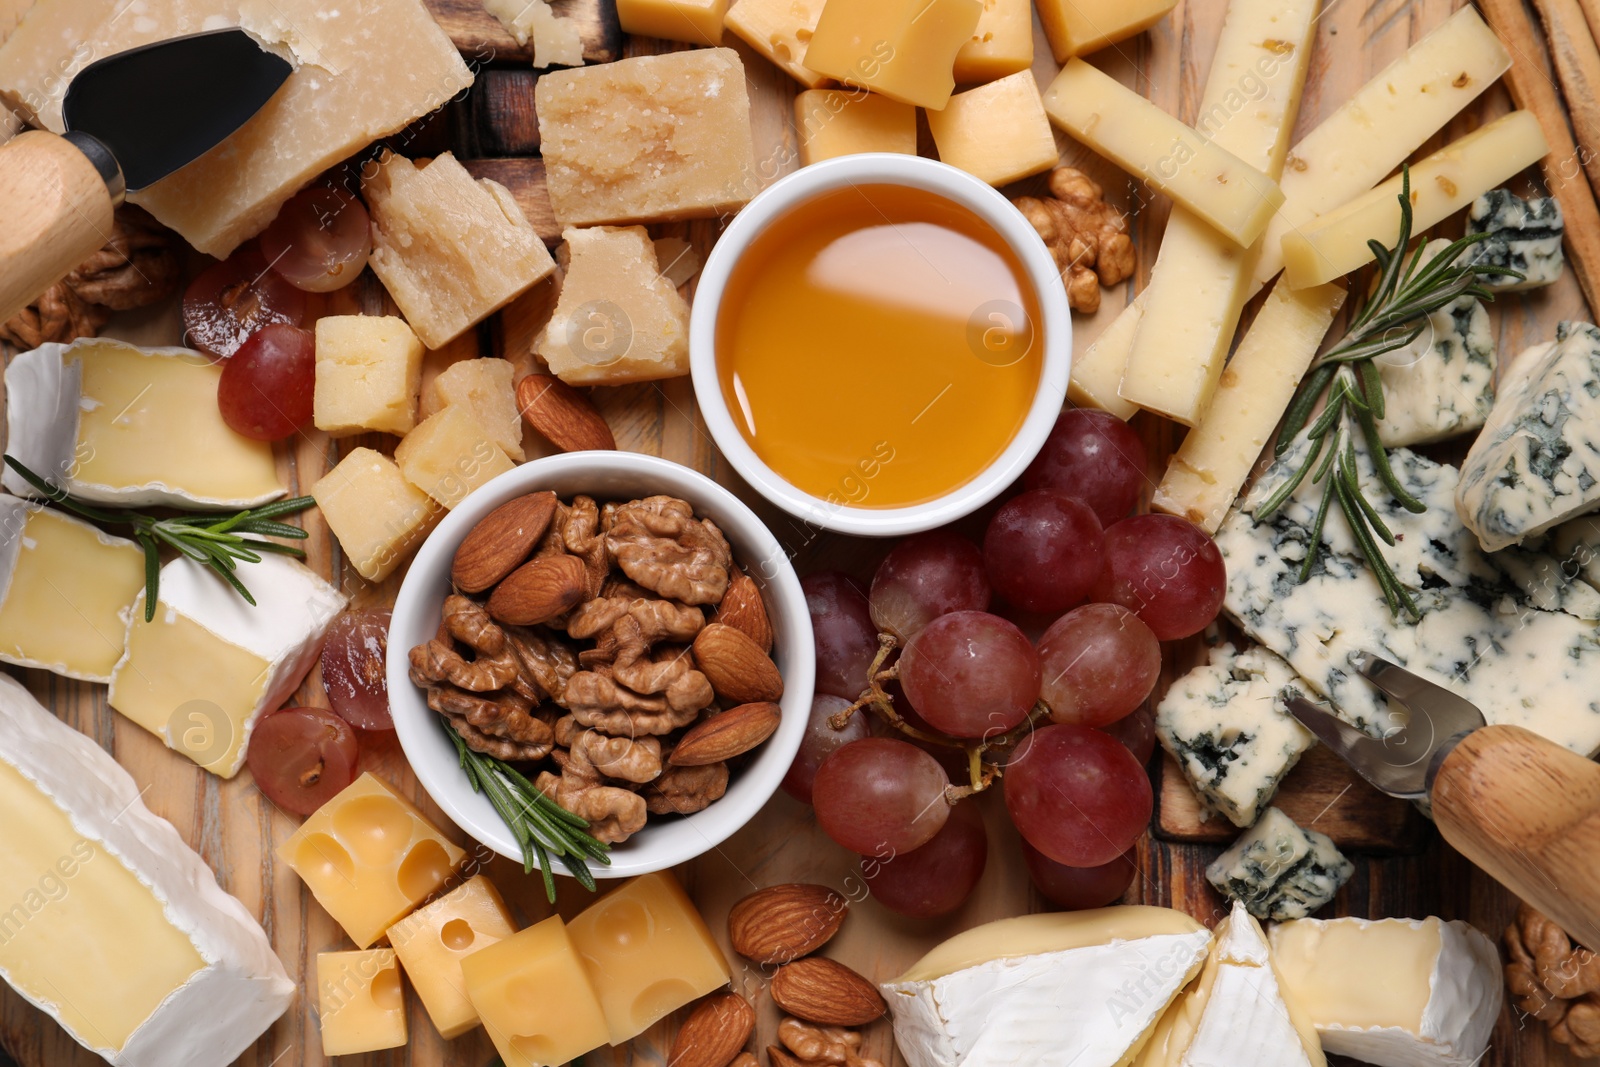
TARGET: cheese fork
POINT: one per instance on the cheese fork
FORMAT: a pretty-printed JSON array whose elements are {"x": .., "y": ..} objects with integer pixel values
[{"x": 1521, "y": 807}]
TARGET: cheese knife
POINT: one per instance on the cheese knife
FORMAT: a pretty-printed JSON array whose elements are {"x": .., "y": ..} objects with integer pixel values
[
  {"x": 1521, "y": 807},
  {"x": 131, "y": 118}
]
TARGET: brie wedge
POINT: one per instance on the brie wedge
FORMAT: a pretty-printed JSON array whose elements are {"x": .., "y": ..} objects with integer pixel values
[
  {"x": 1071, "y": 989},
  {"x": 1393, "y": 992},
  {"x": 115, "y": 927}
]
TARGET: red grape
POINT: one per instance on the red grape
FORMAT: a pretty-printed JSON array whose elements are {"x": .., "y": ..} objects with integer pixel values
[
  {"x": 925, "y": 576},
  {"x": 846, "y": 640},
  {"x": 233, "y": 299},
  {"x": 970, "y": 674},
  {"x": 1042, "y": 550},
  {"x": 1077, "y": 795},
  {"x": 1075, "y": 888},
  {"x": 266, "y": 386},
  {"x": 353, "y": 669},
  {"x": 935, "y": 879},
  {"x": 1098, "y": 663},
  {"x": 1137, "y": 731},
  {"x": 302, "y": 757},
  {"x": 880, "y": 797},
  {"x": 1166, "y": 570},
  {"x": 1094, "y": 457},
  {"x": 820, "y": 742},
  {"x": 320, "y": 240}
]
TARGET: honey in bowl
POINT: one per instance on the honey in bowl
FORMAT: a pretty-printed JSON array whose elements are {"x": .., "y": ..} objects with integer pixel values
[{"x": 876, "y": 346}]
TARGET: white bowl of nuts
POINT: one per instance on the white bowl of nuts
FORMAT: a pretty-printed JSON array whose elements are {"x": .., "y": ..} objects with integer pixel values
[{"x": 621, "y": 632}]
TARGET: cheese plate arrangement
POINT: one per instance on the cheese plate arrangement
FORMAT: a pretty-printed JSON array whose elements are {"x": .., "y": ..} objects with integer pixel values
[{"x": 779, "y": 533}]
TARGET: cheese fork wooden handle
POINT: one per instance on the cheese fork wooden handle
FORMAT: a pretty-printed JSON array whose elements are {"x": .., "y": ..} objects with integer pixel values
[
  {"x": 57, "y": 210},
  {"x": 1527, "y": 811}
]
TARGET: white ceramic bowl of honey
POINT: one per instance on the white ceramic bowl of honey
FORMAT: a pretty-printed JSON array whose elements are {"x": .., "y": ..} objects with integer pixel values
[
  {"x": 664, "y": 842},
  {"x": 880, "y": 344}
]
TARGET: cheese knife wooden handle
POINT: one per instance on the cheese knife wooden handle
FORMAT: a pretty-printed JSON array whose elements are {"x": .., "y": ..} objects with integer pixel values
[
  {"x": 1527, "y": 811},
  {"x": 58, "y": 212}
]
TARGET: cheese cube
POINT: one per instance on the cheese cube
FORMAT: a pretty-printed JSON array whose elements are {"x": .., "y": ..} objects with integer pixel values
[
  {"x": 63, "y": 588},
  {"x": 433, "y": 941},
  {"x": 370, "y": 857},
  {"x": 649, "y": 138},
  {"x": 648, "y": 953},
  {"x": 202, "y": 673},
  {"x": 535, "y": 997},
  {"x": 1002, "y": 44},
  {"x": 1078, "y": 27},
  {"x": 369, "y": 368},
  {"x": 843, "y": 122},
  {"x": 360, "y": 1006},
  {"x": 1523, "y": 235},
  {"x": 449, "y": 455},
  {"x": 904, "y": 49},
  {"x": 690, "y": 21},
  {"x": 1278, "y": 870},
  {"x": 113, "y": 423},
  {"x": 618, "y": 319},
  {"x": 378, "y": 516},
  {"x": 347, "y": 90},
  {"x": 555, "y": 40},
  {"x": 451, "y": 249},
  {"x": 780, "y": 30},
  {"x": 997, "y": 132},
  {"x": 484, "y": 387}
]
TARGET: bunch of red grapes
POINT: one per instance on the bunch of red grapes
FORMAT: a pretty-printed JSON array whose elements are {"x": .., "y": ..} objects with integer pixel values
[{"x": 963, "y": 696}]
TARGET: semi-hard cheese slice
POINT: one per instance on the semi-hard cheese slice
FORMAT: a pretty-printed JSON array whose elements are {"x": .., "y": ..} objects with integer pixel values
[
  {"x": 1097, "y": 372},
  {"x": 1393, "y": 992},
  {"x": 113, "y": 423},
  {"x": 1075, "y": 989},
  {"x": 535, "y": 997},
  {"x": 360, "y": 1005},
  {"x": 1078, "y": 27},
  {"x": 115, "y": 927},
  {"x": 432, "y": 942},
  {"x": 209, "y": 665}
]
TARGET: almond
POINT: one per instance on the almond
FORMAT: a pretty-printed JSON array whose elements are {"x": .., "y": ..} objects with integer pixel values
[
  {"x": 784, "y": 922},
  {"x": 501, "y": 540},
  {"x": 736, "y": 667},
  {"x": 714, "y": 1033},
  {"x": 824, "y": 991},
  {"x": 539, "y": 590},
  {"x": 743, "y": 609},
  {"x": 745, "y": 1059},
  {"x": 731, "y": 733},
  {"x": 564, "y": 415}
]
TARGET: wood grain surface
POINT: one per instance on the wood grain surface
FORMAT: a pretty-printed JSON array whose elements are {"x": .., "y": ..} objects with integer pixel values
[{"x": 236, "y": 829}]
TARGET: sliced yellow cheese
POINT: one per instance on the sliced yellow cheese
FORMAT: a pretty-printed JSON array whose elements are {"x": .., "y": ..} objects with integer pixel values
[
  {"x": 1001, "y": 44},
  {"x": 843, "y": 122},
  {"x": 998, "y": 132},
  {"x": 1097, "y": 371},
  {"x": 432, "y": 941},
  {"x": 781, "y": 31},
  {"x": 535, "y": 997},
  {"x": 1078, "y": 27}
]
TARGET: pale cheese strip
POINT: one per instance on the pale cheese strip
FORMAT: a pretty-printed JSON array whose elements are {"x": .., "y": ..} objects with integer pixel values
[
  {"x": 1196, "y": 291},
  {"x": 1453, "y": 177},
  {"x": 1097, "y": 372},
  {"x": 1216, "y": 457},
  {"x": 1138, "y": 136}
]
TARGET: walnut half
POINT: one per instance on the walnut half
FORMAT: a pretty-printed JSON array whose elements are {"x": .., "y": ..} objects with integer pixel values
[
  {"x": 1554, "y": 980},
  {"x": 1087, "y": 237}
]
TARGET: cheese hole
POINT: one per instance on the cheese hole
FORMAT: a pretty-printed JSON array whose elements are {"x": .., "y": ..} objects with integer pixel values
[
  {"x": 624, "y": 926},
  {"x": 423, "y": 870},
  {"x": 533, "y": 1048},
  {"x": 375, "y": 827},
  {"x": 386, "y": 989},
  {"x": 457, "y": 935},
  {"x": 322, "y": 861},
  {"x": 661, "y": 999}
]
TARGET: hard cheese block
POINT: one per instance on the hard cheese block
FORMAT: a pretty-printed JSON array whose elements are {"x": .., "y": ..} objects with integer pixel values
[
  {"x": 360, "y": 1005},
  {"x": 1437, "y": 1002},
  {"x": 368, "y": 371},
  {"x": 903, "y": 49},
  {"x": 1001, "y": 44},
  {"x": 1278, "y": 870},
  {"x": 378, "y": 516},
  {"x": 432, "y": 942},
  {"x": 113, "y": 423},
  {"x": 116, "y": 928},
  {"x": 1078, "y": 27},
  {"x": 555, "y": 40},
  {"x": 64, "y": 586},
  {"x": 449, "y": 455},
  {"x": 842, "y": 122},
  {"x": 535, "y": 997},
  {"x": 690, "y": 21},
  {"x": 998, "y": 132},
  {"x": 1073, "y": 989},
  {"x": 781, "y": 31},
  {"x": 347, "y": 90},
  {"x": 202, "y": 673},
  {"x": 484, "y": 387}
]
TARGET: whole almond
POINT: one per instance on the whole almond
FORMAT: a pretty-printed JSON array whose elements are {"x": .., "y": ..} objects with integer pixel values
[
  {"x": 501, "y": 540},
  {"x": 824, "y": 991},
  {"x": 731, "y": 733},
  {"x": 736, "y": 667},
  {"x": 564, "y": 415},
  {"x": 743, "y": 609},
  {"x": 539, "y": 590},
  {"x": 714, "y": 1033},
  {"x": 784, "y": 922}
]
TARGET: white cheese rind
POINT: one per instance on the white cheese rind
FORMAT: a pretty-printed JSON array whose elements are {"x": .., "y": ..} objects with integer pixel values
[{"x": 243, "y": 989}]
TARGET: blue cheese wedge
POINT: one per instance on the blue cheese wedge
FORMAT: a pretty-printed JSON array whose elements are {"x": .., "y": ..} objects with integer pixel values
[
  {"x": 1523, "y": 235},
  {"x": 1278, "y": 870},
  {"x": 1229, "y": 728},
  {"x": 1549, "y": 583}
]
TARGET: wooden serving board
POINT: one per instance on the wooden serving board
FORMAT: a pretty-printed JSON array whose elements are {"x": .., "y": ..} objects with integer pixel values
[{"x": 1402, "y": 868}]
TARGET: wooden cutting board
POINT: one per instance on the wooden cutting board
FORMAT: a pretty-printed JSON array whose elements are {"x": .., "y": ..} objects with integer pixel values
[{"x": 1401, "y": 866}]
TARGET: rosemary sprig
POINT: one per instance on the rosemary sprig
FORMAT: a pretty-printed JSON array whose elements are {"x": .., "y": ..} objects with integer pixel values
[
  {"x": 217, "y": 541},
  {"x": 1407, "y": 292},
  {"x": 541, "y": 826}
]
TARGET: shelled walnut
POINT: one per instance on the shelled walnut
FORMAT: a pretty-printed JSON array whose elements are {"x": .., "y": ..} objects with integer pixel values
[
  {"x": 1554, "y": 980},
  {"x": 1086, "y": 236},
  {"x": 812, "y": 1046}
]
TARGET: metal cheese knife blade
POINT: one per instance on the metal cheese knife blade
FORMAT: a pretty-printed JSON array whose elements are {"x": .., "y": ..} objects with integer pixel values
[
  {"x": 1518, "y": 805},
  {"x": 132, "y": 118}
]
